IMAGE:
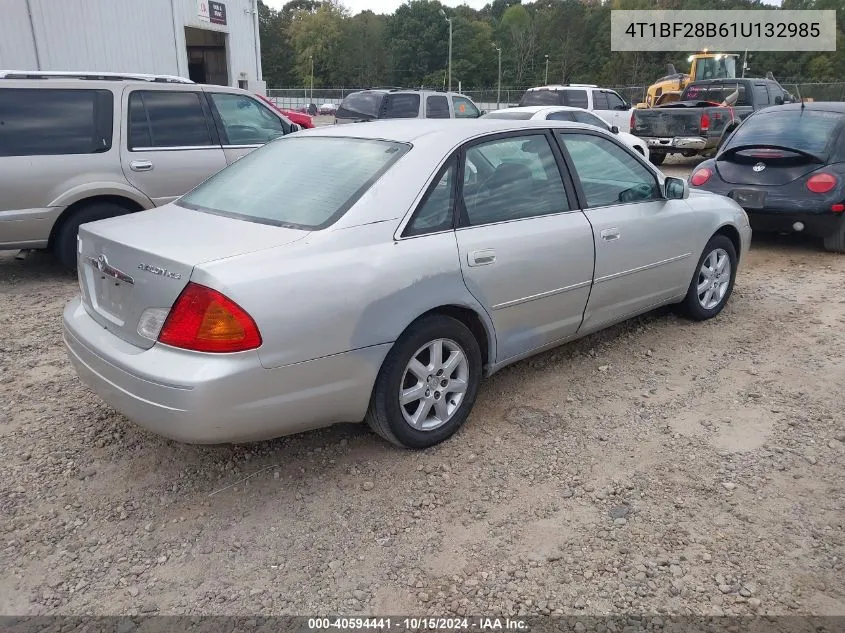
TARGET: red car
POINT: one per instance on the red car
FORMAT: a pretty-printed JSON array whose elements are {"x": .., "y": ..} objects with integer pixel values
[{"x": 295, "y": 117}]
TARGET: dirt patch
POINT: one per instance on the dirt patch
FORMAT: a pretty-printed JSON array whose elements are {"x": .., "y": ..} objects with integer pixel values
[{"x": 659, "y": 466}]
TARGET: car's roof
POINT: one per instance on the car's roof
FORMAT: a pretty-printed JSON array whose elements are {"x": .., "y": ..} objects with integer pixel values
[
  {"x": 562, "y": 87},
  {"x": 411, "y": 130}
]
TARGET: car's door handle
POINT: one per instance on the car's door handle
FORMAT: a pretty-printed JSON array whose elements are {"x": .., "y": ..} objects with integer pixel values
[
  {"x": 610, "y": 234},
  {"x": 481, "y": 258},
  {"x": 141, "y": 165}
]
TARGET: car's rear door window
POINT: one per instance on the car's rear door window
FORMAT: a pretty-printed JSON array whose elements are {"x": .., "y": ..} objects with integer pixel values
[
  {"x": 436, "y": 211},
  {"x": 608, "y": 174},
  {"x": 289, "y": 182},
  {"x": 512, "y": 178},
  {"x": 45, "y": 122},
  {"x": 600, "y": 100},
  {"x": 437, "y": 107},
  {"x": 761, "y": 95},
  {"x": 402, "y": 105},
  {"x": 168, "y": 119}
]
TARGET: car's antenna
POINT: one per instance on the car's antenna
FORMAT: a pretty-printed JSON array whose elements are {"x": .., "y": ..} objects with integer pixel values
[{"x": 800, "y": 98}]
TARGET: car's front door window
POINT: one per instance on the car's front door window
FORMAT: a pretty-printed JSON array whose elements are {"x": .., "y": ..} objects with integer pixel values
[
  {"x": 608, "y": 173},
  {"x": 464, "y": 108},
  {"x": 245, "y": 121},
  {"x": 523, "y": 180}
]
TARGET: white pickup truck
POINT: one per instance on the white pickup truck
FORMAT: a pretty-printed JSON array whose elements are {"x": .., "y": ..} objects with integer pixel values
[{"x": 603, "y": 102}]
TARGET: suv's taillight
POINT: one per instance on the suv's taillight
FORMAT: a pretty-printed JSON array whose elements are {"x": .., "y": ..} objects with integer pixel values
[
  {"x": 204, "y": 320},
  {"x": 821, "y": 183},
  {"x": 632, "y": 121},
  {"x": 704, "y": 124}
]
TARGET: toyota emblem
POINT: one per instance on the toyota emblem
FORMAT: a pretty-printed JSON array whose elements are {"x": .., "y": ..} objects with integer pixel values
[{"x": 759, "y": 167}]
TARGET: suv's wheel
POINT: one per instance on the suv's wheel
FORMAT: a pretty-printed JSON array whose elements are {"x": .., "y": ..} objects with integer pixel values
[
  {"x": 427, "y": 384},
  {"x": 713, "y": 281},
  {"x": 657, "y": 158},
  {"x": 64, "y": 243},
  {"x": 835, "y": 242}
]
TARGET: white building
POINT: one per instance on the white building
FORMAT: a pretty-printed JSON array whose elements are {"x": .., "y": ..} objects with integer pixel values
[{"x": 207, "y": 41}]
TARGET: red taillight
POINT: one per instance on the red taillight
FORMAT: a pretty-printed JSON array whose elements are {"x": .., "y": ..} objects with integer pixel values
[
  {"x": 632, "y": 120},
  {"x": 821, "y": 183},
  {"x": 204, "y": 320},
  {"x": 704, "y": 124},
  {"x": 700, "y": 177},
  {"x": 837, "y": 208}
]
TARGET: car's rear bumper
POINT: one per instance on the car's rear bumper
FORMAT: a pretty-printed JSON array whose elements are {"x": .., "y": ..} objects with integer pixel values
[
  {"x": 820, "y": 224},
  {"x": 677, "y": 143},
  {"x": 216, "y": 398}
]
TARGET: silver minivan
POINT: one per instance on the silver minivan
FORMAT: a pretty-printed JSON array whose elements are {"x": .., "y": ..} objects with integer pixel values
[{"x": 79, "y": 147}]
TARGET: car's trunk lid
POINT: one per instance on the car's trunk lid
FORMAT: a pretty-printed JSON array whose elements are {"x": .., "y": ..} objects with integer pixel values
[{"x": 142, "y": 261}]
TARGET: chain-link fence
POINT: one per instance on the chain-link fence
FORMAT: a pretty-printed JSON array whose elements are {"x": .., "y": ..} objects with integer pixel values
[{"x": 492, "y": 98}]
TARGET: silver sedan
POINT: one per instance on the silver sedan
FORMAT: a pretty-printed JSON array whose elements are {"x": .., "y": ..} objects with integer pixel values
[{"x": 290, "y": 292}]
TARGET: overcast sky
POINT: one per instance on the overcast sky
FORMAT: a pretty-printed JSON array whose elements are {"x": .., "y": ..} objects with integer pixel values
[{"x": 389, "y": 6}]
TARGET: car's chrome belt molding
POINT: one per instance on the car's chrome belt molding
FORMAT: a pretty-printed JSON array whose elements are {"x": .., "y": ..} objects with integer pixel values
[
  {"x": 641, "y": 268},
  {"x": 541, "y": 295}
]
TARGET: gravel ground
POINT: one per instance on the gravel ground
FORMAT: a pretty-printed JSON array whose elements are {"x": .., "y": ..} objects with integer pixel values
[{"x": 659, "y": 466}]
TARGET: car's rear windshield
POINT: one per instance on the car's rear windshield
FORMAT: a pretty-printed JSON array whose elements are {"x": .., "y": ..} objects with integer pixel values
[
  {"x": 360, "y": 105},
  {"x": 514, "y": 116},
  {"x": 811, "y": 131},
  {"x": 575, "y": 98},
  {"x": 298, "y": 182}
]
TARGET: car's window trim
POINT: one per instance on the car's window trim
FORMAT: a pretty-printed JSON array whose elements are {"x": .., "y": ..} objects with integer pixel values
[
  {"x": 576, "y": 179},
  {"x": 461, "y": 214},
  {"x": 450, "y": 162}
]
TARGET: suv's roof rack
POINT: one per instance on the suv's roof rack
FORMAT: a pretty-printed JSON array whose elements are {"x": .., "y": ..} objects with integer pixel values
[
  {"x": 56, "y": 74},
  {"x": 582, "y": 85}
]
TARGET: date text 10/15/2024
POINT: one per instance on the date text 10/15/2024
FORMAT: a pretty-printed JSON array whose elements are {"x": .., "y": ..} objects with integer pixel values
[{"x": 416, "y": 624}]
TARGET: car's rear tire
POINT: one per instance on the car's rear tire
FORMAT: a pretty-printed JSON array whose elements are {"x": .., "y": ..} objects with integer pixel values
[
  {"x": 438, "y": 393},
  {"x": 835, "y": 242},
  {"x": 713, "y": 281},
  {"x": 64, "y": 242},
  {"x": 657, "y": 158}
]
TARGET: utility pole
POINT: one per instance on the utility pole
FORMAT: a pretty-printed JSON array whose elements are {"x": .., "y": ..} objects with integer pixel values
[
  {"x": 449, "y": 20},
  {"x": 311, "y": 98},
  {"x": 499, "y": 84},
  {"x": 546, "y": 80}
]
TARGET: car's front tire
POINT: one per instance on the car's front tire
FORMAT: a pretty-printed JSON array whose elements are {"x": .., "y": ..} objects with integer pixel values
[
  {"x": 428, "y": 383},
  {"x": 713, "y": 281}
]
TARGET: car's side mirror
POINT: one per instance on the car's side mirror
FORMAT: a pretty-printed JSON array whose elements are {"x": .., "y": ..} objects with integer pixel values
[
  {"x": 295, "y": 127},
  {"x": 675, "y": 189},
  {"x": 614, "y": 129}
]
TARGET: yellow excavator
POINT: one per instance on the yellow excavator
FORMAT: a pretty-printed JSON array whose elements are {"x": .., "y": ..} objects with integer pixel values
[{"x": 703, "y": 65}]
